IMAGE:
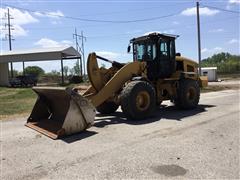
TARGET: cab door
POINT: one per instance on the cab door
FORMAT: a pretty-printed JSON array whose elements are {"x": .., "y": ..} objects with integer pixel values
[
  {"x": 166, "y": 58},
  {"x": 162, "y": 63}
]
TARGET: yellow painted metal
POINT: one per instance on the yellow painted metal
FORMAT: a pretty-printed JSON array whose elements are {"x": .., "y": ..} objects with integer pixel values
[
  {"x": 89, "y": 91},
  {"x": 94, "y": 73},
  {"x": 203, "y": 81},
  {"x": 142, "y": 100},
  {"x": 187, "y": 62},
  {"x": 116, "y": 82}
]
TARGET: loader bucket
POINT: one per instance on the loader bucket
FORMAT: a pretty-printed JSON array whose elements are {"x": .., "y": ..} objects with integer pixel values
[{"x": 60, "y": 111}]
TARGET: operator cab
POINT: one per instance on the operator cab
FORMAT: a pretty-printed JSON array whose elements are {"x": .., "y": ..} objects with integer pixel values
[{"x": 158, "y": 51}]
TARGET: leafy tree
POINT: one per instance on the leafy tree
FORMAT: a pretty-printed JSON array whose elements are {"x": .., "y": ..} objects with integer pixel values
[
  {"x": 65, "y": 70},
  {"x": 103, "y": 65},
  {"x": 76, "y": 69},
  {"x": 71, "y": 71},
  {"x": 225, "y": 62},
  {"x": 54, "y": 73},
  {"x": 15, "y": 72},
  {"x": 35, "y": 70}
]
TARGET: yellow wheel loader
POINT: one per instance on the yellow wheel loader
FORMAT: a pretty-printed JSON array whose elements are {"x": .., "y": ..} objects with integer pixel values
[{"x": 157, "y": 73}]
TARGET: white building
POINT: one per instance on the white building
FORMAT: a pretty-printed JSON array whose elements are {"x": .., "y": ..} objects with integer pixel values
[{"x": 210, "y": 72}]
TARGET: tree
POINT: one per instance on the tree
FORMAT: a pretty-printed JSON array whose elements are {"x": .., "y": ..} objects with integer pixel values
[
  {"x": 65, "y": 70},
  {"x": 103, "y": 65},
  {"x": 15, "y": 72},
  {"x": 76, "y": 69},
  {"x": 54, "y": 73},
  {"x": 35, "y": 70},
  {"x": 71, "y": 71},
  {"x": 225, "y": 62}
]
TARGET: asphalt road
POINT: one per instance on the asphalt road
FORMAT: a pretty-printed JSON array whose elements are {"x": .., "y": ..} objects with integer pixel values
[{"x": 202, "y": 143}]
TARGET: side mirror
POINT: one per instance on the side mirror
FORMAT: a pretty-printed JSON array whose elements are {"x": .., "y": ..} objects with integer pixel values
[
  {"x": 178, "y": 54},
  {"x": 129, "y": 49}
]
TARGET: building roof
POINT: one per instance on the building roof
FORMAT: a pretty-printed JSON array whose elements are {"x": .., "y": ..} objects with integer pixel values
[
  {"x": 209, "y": 68},
  {"x": 40, "y": 55}
]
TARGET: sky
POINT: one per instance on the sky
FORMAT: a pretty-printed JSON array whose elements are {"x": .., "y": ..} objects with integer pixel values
[{"x": 109, "y": 25}]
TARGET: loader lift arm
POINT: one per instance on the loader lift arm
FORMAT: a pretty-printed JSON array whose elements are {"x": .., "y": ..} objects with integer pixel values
[{"x": 105, "y": 91}]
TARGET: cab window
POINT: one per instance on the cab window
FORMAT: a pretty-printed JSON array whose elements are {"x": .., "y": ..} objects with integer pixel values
[
  {"x": 145, "y": 51},
  {"x": 167, "y": 49},
  {"x": 164, "y": 48}
]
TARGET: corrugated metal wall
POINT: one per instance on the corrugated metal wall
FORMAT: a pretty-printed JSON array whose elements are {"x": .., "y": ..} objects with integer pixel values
[{"x": 210, "y": 73}]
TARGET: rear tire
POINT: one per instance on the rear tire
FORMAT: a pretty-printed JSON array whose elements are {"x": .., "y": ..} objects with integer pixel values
[
  {"x": 138, "y": 100},
  {"x": 188, "y": 94},
  {"x": 107, "y": 107}
]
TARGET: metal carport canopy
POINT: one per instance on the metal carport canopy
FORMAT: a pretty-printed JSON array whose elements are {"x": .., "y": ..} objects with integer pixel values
[{"x": 46, "y": 54}]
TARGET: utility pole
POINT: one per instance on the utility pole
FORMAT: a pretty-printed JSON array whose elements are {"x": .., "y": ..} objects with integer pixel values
[
  {"x": 199, "y": 38},
  {"x": 9, "y": 31},
  {"x": 83, "y": 54},
  {"x": 9, "y": 35},
  {"x": 76, "y": 37}
]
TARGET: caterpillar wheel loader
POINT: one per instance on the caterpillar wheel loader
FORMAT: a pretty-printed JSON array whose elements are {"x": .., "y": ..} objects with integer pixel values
[{"x": 157, "y": 73}]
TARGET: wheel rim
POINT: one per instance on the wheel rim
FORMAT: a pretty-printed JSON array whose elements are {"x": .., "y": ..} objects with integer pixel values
[
  {"x": 142, "y": 100},
  {"x": 191, "y": 94}
]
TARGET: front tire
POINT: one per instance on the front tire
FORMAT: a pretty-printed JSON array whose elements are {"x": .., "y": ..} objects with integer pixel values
[
  {"x": 138, "y": 100},
  {"x": 188, "y": 94}
]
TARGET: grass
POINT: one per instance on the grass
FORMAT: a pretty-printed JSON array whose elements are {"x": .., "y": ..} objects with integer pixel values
[{"x": 16, "y": 101}]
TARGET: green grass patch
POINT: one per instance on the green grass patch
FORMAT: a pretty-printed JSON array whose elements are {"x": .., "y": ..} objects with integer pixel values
[{"x": 16, "y": 100}]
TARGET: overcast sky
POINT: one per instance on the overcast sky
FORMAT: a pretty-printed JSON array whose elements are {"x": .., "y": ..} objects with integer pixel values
[{"x": 50, "y": 23}]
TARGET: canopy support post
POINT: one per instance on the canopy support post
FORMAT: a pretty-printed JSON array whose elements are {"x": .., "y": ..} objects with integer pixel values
[
  {"x": 62, "y": 71},
  {"x": 23, "y": 68}
]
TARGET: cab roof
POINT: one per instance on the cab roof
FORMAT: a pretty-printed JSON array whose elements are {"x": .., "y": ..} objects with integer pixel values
[{"x": 154, "y": 35}]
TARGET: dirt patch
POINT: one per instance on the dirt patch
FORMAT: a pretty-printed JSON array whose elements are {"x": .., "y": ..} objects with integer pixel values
[
  {"x": 223, "y": 85},
  {"x": 14, "y": 116}
]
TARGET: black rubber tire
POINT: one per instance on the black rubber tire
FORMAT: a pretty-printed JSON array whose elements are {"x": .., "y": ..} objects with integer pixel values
[
  {"x": 107, "y": 107},
  {"x": 129, "y": 100},
  {"x": 188, "y": 94}
]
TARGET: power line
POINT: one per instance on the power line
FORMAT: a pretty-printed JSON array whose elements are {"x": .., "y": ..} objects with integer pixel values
[
  {"x": 95, "y": 20},
  {"x": 221, "y": 9},
  {"x": 128, "y": 34},
  {"x": 120, "y": 12}
]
